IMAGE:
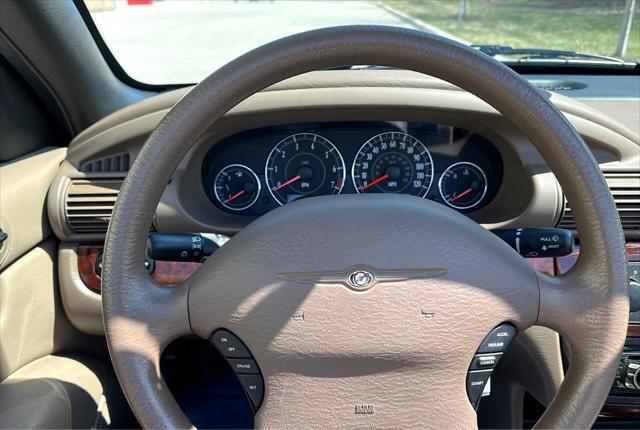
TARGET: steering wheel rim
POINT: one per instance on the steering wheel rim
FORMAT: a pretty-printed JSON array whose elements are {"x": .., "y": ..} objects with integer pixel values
[{"x": 141, "y": 318}]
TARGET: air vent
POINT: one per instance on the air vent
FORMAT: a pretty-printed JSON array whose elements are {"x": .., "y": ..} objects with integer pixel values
[
  {"x": 625, "y": 188},
  {"x": 111, "y": 164},
  {"x": 89, "y": 204}
]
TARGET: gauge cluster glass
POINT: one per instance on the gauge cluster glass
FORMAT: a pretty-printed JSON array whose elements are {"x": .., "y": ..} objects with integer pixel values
[{"x": 255, "y": 171}]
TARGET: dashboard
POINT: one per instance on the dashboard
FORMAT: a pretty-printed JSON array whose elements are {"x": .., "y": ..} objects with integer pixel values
[
  {"x": 339, "y": 132},
  {"x": 321, "y": 133},
  {"x": 255, "y": 171}
]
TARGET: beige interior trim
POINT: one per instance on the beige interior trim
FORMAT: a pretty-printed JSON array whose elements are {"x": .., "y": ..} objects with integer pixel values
[
  {"x": 54, "y": 392},
  {"x": 32, "y": 323},
  {"x": 360, "y": 95},
  {"x": 83, "y": 306},
  {"x": 22, "y": 199}
]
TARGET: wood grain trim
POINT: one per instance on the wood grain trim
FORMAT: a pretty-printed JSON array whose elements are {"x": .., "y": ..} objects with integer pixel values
[
  {"x": 619, "y": 411},
  {"x": 87, "y": 257},
  {"x": 543, "y": 265},
  {"x": 633, "y": 330},
  {"x": 567, "y": 262},
  {"x": 171, "y": 273},
  {"x": 167, "y": 273}
]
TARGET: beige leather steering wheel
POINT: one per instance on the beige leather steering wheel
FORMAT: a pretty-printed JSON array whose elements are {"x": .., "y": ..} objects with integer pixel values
[{"x": 370, "y": 346}]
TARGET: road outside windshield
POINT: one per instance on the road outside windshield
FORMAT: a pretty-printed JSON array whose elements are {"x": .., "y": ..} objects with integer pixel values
[{"x": 180, "y": 41}]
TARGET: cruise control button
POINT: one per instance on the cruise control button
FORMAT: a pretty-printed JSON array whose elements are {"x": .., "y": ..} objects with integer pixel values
[
  {"x": 229, "y": 345},
  {"x": 485, "y": 361},
  {"x": 498, "y": 340},
  {"x": 476, "y": 381},
  {"x": 254, "y": 387},
  {"x": 243, "y": 365}
]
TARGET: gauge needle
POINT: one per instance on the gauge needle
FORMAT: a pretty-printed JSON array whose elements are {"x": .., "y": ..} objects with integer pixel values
[
  {"x": 377, "y": 181},
  {"x": 235, "y": 196},
  {"x": 289, "y": 182},
  {"x": 462, "y": 194}
]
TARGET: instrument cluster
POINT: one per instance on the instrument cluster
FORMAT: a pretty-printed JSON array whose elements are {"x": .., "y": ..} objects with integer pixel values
[{"x": 255, "y": 171}]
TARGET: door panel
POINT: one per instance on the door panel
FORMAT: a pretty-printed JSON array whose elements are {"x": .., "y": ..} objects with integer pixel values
[{"x": 24, "y": 183}]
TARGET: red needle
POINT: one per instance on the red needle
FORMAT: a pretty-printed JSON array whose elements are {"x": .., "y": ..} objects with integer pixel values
[
  {"x": 462, "y": 194},
  {"x": 377, "y": 181},
  {"x": 290, "y": 181},
  {"x": 235, "y": 196}
]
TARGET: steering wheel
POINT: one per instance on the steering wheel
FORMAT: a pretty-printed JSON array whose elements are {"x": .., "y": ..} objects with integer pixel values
[{"x": 280, "y": 284}]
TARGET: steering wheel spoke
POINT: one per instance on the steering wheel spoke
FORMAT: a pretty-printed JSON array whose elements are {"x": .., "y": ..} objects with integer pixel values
[
  {"x": 144, "y": 323},
  {"x": 576, "y": 304}
]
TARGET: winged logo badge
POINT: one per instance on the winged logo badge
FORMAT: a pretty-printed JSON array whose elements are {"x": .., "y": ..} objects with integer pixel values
[{"x": 361, "y": 278}]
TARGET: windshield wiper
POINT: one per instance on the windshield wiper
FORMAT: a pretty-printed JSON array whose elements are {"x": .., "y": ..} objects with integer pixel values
[{"x": 549, "y": 56}]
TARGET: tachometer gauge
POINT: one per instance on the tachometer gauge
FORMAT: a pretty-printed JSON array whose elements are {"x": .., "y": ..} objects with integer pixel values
[
  {"x": 302, "y": 165},
  {"x": 236, "y": 187},
  {"x": 463, "y": 185},
  {"x": 393, "y": 162}
]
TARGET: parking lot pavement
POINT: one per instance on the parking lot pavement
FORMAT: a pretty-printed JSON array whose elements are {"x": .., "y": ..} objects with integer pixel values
[{"x": 181, "y": 41}]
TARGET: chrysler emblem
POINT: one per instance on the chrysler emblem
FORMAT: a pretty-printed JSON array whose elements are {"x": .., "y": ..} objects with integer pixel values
[{"x": 361, "y": 278}]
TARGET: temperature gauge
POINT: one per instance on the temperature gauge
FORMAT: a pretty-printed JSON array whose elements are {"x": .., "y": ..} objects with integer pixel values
[
  {"x": 236, "y": 187},
  {"x": 463, "y": 185}
]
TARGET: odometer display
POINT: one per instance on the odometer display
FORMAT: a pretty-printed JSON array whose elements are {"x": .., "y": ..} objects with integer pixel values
[
  {"x": 393, "y": 162},
  {"x": 302, "y": 165}
]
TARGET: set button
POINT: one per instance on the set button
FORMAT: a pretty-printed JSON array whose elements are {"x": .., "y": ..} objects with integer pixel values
[
  {"x": 242, "y": 363},
  {"x": 254, "y": 387}
]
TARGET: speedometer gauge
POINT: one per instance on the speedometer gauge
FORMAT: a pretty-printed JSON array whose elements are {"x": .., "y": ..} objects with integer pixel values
[
  {"x": 302, "y": 165},
  {"x": 393, "y": 162}
]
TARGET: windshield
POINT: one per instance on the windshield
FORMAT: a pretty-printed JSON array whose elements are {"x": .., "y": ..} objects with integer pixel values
[{"x": 179, "y": 41}]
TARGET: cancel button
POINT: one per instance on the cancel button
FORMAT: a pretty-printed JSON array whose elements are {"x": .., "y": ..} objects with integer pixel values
[{"x": 485, "y": 361}]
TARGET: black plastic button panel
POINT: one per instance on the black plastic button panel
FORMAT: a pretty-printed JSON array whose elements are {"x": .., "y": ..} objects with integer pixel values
[
  {"x": 242, "y": 363},
  {"x": 485, "y": 360},
  {"x": 498, "y": 340}
]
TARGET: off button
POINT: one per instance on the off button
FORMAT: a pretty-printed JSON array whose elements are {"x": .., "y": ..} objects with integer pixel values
[
  {"x": 229, "y": 345},
  {"x": 498, "y": 340}
]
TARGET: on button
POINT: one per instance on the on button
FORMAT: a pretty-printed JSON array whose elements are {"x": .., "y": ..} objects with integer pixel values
[{"x": 229, "y": 345}]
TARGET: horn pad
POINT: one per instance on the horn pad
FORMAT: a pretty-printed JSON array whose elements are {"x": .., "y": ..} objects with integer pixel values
[{"x": 405, "y": 338}]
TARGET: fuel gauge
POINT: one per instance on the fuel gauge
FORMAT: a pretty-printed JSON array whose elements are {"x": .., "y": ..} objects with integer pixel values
[
  {"x": 463, "y": 185},
  {"x": 236, "y": 187}
]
